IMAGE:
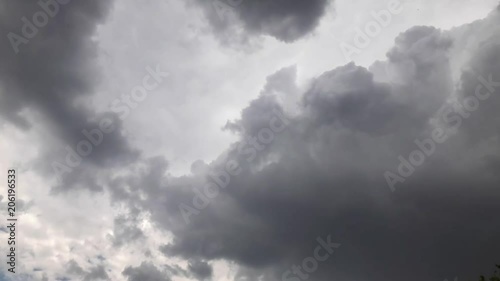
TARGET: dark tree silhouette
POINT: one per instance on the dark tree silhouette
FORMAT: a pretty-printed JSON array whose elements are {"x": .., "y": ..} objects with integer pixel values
[{"x": 495, "y": 277}]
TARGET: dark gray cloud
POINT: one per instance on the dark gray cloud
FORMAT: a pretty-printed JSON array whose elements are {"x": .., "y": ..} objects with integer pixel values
[
  {"x": 286, "y": 20},
  {"x": 74, "y": 268},
  {"x": 324, "y": 175},
  {"x": 95, "y": 273},
  {"x": 175, "y": 270},
  {"x": 48, "y": 66},
  {"x": 148, "y": 271},
  {"x": 145, "y": 272},
  {"x": 126, "y": 231},
  {"x": 200, "y": 270}
]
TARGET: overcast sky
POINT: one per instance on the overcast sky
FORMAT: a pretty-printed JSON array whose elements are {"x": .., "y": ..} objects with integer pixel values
[{"x": 290, "y": 140}]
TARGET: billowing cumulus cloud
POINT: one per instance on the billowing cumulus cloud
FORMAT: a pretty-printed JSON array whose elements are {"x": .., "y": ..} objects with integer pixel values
[
  {"x": 267, "y": 200},
  {"x": 369, "y": 173}
]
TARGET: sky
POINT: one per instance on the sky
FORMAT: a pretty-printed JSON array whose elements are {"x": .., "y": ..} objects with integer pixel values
[{"x": 250, "y": 140}]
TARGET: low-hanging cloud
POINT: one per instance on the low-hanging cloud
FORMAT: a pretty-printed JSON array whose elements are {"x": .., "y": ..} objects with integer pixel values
[
  {"x": 323, "y": 176},
  {"x": 50, "y": 73}
]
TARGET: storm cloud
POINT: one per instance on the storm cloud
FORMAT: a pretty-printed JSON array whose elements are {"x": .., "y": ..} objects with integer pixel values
[
  {"x": 388, "y": 171},
  {"x": 324, "y": 175},
  {"x": 48, "y": 67},
  {"x": 284, "y": 20}
]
